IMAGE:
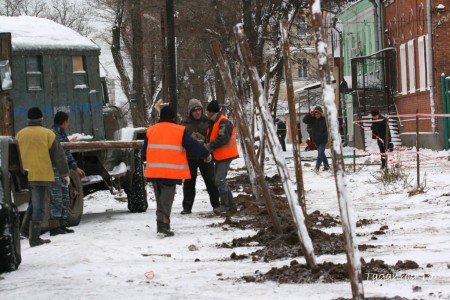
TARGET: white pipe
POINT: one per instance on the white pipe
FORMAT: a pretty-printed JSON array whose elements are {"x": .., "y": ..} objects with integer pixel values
[{"x": 430, "y": 65}]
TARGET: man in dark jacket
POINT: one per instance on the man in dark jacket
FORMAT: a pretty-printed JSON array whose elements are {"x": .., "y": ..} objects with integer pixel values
[
  {"x": 39, "y": 150},
  {"x": 319, "y": 135},
  {"x": 221, "y": 141},
  {"x": 164, "y": 152},
  {"x": 58, "y": 222},
  {"x": 381, "y": 134},
  {"x": 196, "y": 125},
  {"x": 281, "y": 133}
]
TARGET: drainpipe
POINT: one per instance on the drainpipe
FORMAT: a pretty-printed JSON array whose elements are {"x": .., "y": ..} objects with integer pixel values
[
  {"x": 429, "y": 66},
  {"x": 341, "y": 76},
  {"x": 375, "y": 17}
]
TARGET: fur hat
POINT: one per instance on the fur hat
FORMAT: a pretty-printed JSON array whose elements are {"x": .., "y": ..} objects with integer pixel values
[
  {"x": 194, "y": 103},
  {"x": 167, "y": 113},
  {"x": 34, "y": 113},
  {"x": 318, "y": 109},
  {"x": 374, "y": 113},
  {"x": 213, "y": 106}
]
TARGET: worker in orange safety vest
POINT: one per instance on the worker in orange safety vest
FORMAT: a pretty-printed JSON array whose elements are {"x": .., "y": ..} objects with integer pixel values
[
  {"x": 221, "y": 141},
  {"x": 164, "y": 152}
]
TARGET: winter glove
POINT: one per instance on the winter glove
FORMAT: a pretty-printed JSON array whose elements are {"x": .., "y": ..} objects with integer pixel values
[
  {"x": 198, "y": 136},
  {"x": 208, "y": 159},
  {"x": 66, "y": 181}
]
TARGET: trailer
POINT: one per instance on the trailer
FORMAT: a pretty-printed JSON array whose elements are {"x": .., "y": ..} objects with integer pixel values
[{"x": 50, "y": 66}]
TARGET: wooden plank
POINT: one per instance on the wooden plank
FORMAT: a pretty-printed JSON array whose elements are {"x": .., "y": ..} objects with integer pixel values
[{"x": 101, "y": 145}]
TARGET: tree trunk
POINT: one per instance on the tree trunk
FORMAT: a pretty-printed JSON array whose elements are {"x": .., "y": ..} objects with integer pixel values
[
  {"x": 274, "y": 144},
  {"x": 138, "y": 105},
  {"x": 259, "y": 184},
  {"x": 346, "y": 211}
]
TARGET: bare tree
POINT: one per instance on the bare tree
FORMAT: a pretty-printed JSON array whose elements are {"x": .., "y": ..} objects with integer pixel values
[{"x": 66, "y": 12}]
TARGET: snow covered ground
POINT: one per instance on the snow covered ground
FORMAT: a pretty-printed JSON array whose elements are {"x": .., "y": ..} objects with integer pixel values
[{"x": 116, "y": 255}]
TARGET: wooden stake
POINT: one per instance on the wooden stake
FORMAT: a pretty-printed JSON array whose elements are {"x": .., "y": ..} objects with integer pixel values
[
  {"x": 348, "y": 224},
  {"x": 274, "y": 145},
  {"x": 259, "y": 185}
]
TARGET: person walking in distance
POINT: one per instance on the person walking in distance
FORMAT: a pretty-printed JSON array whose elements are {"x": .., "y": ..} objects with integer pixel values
[
  {"x": 59, "y": 193},
  {"x": 39, "y": 150},
  {"x": 164, "y": 152},
  {"x": 380, "y": 132},
  {"x": 281, "y": 133},
  {"x": 319, "y": 135},
  {"x": 221, "y": 141},
  {"x": 196, "y": 125}
]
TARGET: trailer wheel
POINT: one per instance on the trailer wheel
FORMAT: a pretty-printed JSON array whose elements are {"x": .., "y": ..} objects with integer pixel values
[
  {"x": 10, "y": 253},
  {"x": 76, "y": 199},
  {"x": 136, "y": 192}
]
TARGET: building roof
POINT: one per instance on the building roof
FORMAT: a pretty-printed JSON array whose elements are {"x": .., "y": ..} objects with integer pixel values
[{"x": 32, "y": 33}]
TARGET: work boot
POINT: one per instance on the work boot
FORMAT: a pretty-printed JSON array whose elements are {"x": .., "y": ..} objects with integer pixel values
[
  {"x": 163, "y": 229},
  {"x": 326, "y": 167},
  {"x": 186, "y": 212},
  {"x": 316, "y": 170},
  {"x": 25, "y": 226},
  {"x": 64, "y": 224},
  {"x": 224, "y": 204},
  {"x": 221, "y": 210},
  {"x": 54, "y": 227},
  {"x": 34, "y": 234}
]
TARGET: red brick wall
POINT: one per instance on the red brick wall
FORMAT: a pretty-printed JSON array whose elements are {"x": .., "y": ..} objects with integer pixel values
[{"x": 407, "y": 20}]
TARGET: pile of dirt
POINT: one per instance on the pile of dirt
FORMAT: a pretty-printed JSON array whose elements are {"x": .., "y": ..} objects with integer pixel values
[{"x": 253, "y": 214}]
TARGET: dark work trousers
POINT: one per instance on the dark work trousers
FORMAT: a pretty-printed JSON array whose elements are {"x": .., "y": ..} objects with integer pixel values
[
  {"x": 207, "y": 172},
  {"x": 221, "y": 171},
  {"x": 164, "y": 195},
  {"x": 282, "y": 142},
  {"x": 382, "y": 152}
]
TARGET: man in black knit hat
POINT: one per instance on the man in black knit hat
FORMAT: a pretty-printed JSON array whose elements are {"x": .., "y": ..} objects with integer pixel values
[
  {"x": 39, "y": 150},
  {"x": 164, "y": 151},
  {"x": 221, "y": 141}
]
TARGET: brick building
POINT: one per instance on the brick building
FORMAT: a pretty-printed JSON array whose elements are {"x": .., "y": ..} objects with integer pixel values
[{"x": 422, "y": 56}]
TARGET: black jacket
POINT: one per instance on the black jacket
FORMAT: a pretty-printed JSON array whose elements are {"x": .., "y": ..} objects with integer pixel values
[
  {"x": 199, "y": 126},
  {"x": 379, "y": 129},
  {"x": 319, "y": 130}
]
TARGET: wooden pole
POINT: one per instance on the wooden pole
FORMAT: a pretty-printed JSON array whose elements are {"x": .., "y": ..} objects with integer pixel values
[
  {"x": 274, "y": 145},
  {"x": 417, "y": 149},
  {"x": 284, "y": 26},
  {"x": 171, "y": 66},
  {"x": 260, "y": 188},
  {"x": 346, "y": 212},
  {"x": 101, "y": 145}
]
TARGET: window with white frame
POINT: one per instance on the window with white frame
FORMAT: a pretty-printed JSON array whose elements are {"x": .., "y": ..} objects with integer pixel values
[
  {"x": 422, "y": 64},
  {"x": 412, "y": 68},
  {"x": 35, "y": 80},
  {"x": 403, "y": 76},
  {"x": 302, "y": 26},
  {"x": 302, "y": 68}
]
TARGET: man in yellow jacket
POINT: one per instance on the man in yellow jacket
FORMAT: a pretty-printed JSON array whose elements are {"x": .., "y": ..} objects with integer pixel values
[
  {"x": 221, "y": 141},
  {"x": 164, "y": 152},
  {"x": 39, "y": 149}
]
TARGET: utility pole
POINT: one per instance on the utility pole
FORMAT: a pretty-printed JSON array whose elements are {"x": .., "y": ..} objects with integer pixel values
[{"x": 171, "y": 61}]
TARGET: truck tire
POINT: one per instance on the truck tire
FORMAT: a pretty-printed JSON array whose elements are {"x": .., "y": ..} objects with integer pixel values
[
  {"x": 10, "y": 253},
  {"x": 136, "y": 192},
  {"x": 76, "y": 199}
]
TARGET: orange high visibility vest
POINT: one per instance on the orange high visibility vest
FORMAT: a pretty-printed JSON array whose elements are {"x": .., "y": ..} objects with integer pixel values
[
  {"x": 230, "y": 150},
  {"x": 166, "y": 156}
]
